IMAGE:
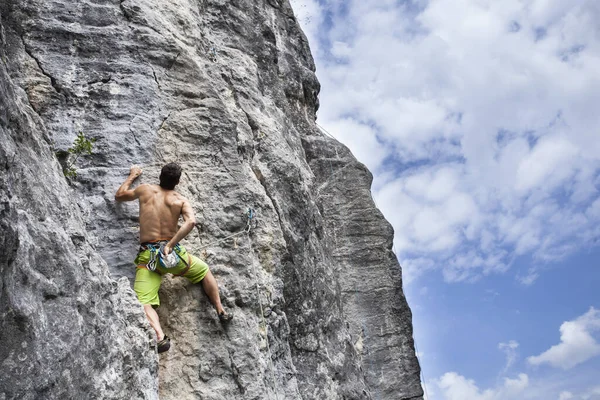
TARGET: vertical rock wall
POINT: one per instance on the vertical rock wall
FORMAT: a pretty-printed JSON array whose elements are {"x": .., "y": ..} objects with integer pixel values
[
  {"x": 66, "y": 328},
  {"x": 228, "y": 90}
]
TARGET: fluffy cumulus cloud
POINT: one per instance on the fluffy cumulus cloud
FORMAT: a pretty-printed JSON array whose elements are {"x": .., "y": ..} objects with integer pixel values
[
  {"x": 478, "y": 119},
  {"x": 577, "y": 343},
  {"x": 452, "y": 386}
]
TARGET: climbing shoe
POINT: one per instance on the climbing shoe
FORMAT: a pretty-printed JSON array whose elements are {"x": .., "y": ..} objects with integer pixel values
[
  {"x": 164, "y": 345},
  {"x": 225, "y": 317}
]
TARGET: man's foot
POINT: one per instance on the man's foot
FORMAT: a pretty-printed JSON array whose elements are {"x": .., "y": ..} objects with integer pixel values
[
  {"x": 164, "y": 345},
  {"x": 225, "y": 317}
]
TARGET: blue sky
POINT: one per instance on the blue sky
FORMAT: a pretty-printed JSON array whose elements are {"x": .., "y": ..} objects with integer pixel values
[{"x": 479, "y": 121}]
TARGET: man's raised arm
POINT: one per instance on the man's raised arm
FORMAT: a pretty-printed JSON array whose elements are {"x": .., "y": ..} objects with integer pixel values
[{"x": 124, "y": 193}]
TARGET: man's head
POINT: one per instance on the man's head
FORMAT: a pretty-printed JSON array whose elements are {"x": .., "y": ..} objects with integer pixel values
[{"x": 169, "y": 176}]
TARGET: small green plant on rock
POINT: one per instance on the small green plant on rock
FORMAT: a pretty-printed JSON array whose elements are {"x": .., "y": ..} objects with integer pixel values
[{"x": 81, "y": 145}]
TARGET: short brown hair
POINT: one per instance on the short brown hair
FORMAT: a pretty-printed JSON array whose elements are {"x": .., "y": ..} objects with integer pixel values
[{"x": 169, "y": 176}]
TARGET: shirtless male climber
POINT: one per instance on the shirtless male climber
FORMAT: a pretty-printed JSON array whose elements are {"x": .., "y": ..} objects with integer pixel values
[{"x": 160, "y": 208}]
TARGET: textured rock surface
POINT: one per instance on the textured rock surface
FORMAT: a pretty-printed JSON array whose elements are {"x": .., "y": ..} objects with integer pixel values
[
  {"x": 227, "y": 89},
  {"x": 66, "y": 328}
]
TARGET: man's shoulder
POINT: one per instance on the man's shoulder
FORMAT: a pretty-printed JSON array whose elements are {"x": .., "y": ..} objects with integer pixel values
[
  {"x": 144, "y": 187},
  {"x": 147, "y": 189},
  {"x": 178, "y": 196}
]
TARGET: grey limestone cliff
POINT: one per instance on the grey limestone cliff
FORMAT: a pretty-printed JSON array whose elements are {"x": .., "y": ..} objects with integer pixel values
[{"x": 228, "y": 90}]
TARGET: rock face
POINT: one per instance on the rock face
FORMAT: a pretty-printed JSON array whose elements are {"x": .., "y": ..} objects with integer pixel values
[
  {"x": 227, "y": 89},
  {"x": 66, "y": 327}
]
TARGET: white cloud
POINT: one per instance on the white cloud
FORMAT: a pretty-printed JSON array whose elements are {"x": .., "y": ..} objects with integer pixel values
[
  {"x": 485, "y": 113},
  {"x": 510, "y": 350},
  {"x": 310, "y": 15},
  {"x": 565, "y": 395},
  {"x": 479, "y": 122},
  {"x": 415, "y": 267},
  {"x": 529, "y": 278},
  {"x": 577, "y": 344},
  {"x": 361, "y": 138},
  {"x": 592, "y": 394},
  {"x": 545, "y": 165},
  {"x": 516, "y": 385},
  {"x": 594, "y": 209},
  {"x": 453, "y": 386}
]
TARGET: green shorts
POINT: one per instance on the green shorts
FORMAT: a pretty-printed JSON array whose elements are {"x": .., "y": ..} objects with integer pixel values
[{"x": 148, "y": 282}]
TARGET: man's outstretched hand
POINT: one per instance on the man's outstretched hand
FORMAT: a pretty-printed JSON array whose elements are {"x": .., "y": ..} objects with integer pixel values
[
  {"x": 124, "y": 193},
  {"x": 135, "y": 171}
]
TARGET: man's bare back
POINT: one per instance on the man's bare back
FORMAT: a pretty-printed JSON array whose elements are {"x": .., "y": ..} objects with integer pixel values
[
  {"x": 160, "y": 209},
  {"x": 159, "y": 212}
]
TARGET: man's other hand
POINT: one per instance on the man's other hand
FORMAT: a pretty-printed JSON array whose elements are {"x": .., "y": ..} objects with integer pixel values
[{"x": 135, "y": 171}]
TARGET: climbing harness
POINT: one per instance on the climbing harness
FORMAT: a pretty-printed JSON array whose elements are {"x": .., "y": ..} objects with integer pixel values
[{"x": 157, "y": 255}]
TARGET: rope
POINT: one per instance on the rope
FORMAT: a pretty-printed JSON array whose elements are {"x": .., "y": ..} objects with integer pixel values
[
  {"x": 325, "y": 131},
  {"x": 250, "y": 214},
  {"x": 331, "y": 136},
  {"x": 223, "y": 239}
]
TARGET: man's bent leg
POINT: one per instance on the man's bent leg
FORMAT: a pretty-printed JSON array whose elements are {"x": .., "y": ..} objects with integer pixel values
[
  {"x": 199, "y": 272},
  {"x": 154, "y": 322},
  {"x": 211, "y": 288}
]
